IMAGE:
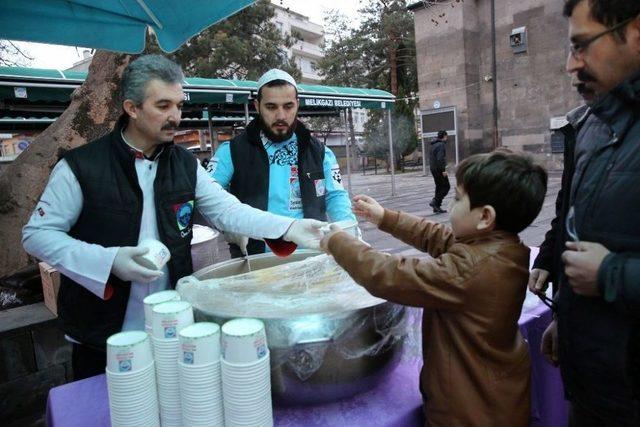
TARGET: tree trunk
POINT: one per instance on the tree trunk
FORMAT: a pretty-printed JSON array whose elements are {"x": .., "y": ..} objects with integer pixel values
[
  {"x": 93, "y": 111},
  {"x": 393, "y": 64}
]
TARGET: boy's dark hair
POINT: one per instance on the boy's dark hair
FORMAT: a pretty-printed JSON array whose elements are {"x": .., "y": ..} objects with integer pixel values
[
  {"x": 442, "y": 134},
  {"x": 512, "y": 183},
  {"x": 607, "y": 12},
  {"x": 275, "y": 83}
]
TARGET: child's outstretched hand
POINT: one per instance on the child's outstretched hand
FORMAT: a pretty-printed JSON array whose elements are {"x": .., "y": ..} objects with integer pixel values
[{"x": 368, "y": 209}]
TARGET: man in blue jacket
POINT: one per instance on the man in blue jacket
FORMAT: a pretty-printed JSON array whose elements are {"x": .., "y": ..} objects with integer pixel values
[
  {"x": 596, "y": 335},
  {"x": 277, "y": 166}
]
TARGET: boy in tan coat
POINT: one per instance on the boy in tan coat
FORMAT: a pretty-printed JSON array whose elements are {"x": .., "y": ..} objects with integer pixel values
[{"x": 476, "y": 364}]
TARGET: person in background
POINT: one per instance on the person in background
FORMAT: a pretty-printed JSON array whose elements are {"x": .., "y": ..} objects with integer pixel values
[
  {"x": 276, "y": 165},
  {"x": 105, "y": 197},
  {"x": 438, "y": 166},
  {"x": 595, "y": 337},
  {"x": 476, "y": 364}
]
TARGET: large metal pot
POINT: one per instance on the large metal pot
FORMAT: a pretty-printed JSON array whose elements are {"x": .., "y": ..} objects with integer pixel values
[{"x": 319, "y": 357}]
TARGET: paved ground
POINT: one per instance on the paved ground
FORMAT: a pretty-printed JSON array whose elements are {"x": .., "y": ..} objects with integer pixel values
[{"x": 413, "y": 193}]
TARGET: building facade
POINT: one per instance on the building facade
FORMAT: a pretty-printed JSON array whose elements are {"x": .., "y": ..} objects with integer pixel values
[
  {"x": 456, "y": 76},
  {"x": 309, "y": 48}
]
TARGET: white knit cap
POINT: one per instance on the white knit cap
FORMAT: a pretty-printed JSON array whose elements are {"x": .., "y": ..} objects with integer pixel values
[{"x": 276, "y": 74}]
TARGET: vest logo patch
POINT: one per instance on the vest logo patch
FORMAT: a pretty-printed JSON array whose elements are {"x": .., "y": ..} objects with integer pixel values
[
  {"x": 183, "y": 213},
  {"x": 336, "y": 177},
  {"x": 212, "y": 166},
  {"x": 320, "y": 187},
  {"x": 295, "y": 195}
]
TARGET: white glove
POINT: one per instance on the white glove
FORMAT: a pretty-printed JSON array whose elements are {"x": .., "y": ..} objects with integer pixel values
[
  {"x": 238, "y": 239},
  {"x": 125, "y": 267},
  {"x": 305, "y": 233}
]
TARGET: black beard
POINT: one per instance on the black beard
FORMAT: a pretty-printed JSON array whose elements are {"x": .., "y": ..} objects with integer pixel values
[{"x": 274, "y": 137}]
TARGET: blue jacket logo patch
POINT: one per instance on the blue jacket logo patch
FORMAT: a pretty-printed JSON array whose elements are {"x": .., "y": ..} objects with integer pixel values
[{"x": 183, "y": 213}]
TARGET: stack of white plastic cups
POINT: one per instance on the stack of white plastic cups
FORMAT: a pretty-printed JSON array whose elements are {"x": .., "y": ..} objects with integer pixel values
[
  {"x": 154, "y": 299},
  {"x": 169, "y": 319},
  {"x": 246, "y": 379},
  {"x": 131, "y": 380},
  {"x": 200, "y": 377}
]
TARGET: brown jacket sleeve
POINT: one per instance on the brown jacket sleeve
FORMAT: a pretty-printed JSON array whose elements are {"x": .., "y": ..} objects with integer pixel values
[
  {"x": 427, "y": 236},
  {"x": 441, "y": 283}
]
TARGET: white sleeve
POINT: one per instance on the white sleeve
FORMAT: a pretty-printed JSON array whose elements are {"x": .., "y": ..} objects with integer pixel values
[
  {"x": 225, "y": 212},
  {"x": 46, "y": 234}
]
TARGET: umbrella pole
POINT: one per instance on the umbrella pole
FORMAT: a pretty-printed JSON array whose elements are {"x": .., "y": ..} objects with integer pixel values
[
  {"x": 391, "y": 156},
  {"x": 246, "y": 113}
]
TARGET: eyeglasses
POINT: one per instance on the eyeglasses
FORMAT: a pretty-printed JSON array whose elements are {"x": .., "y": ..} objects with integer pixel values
[{"x": 578, "y": 49}]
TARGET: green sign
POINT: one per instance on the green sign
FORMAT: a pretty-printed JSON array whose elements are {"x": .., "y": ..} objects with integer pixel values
[{"x": 346, "y": 103}]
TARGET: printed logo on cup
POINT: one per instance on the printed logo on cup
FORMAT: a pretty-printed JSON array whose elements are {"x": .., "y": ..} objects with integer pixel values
[
  {"x": 124, "y": 361},
  {"x": 262, "y": 351},
  {"x": 170, "y": 332},
  {"x": 164, "y": 253},
  {"x": 188, "y": 351},
  {"x": 261, "y": 347},
  {"x": 124, "y": 365}
]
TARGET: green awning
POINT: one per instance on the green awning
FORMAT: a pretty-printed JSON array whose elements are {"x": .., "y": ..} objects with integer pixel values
[
  {"x": 37, "y": 93},
  {"x": 34, "y": 84}
]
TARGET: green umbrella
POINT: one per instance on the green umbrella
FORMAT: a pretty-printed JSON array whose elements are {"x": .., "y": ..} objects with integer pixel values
[{"x": 116, "y": 25}]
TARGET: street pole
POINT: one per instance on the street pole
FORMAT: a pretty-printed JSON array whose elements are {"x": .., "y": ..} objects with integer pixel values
[
  {"x": 392, "y": 157},
  {"x": 343, "y": 119},
  {"x": 210, "y": 124},
  {"x": 424, "y": 148}
]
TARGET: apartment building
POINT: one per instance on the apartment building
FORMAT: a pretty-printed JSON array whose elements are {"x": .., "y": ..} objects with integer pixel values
[{"x": 309, "y": 48}]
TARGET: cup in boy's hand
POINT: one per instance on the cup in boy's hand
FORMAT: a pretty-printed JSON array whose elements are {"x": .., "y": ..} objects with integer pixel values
[{"x": 368, "y": 209}]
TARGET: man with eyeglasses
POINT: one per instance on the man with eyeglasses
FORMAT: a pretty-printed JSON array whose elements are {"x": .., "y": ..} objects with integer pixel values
[{"x": 596, "y": 335}]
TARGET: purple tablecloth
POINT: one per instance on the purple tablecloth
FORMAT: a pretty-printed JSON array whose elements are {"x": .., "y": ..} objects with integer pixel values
[{"x": 395, "y": 403}]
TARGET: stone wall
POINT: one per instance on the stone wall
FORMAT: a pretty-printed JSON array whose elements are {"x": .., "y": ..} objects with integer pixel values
[{"x": 453, "y": 43}]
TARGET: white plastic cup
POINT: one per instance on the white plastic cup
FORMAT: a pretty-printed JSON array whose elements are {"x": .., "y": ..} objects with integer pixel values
[
  {"x": 200, "y": 344},
  {"x": 154, "y": 299},
  {"x": 348, "y": 225},
  {"x": 244, "y": 341},
  {"x": 156, "y": 257},
  {"x": 169, "y": 318},
  {"x": 128, "y": 352}
]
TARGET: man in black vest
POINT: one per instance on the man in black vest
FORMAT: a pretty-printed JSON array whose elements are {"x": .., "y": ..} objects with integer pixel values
[
  {"x": 438, "y": 166},
  {"x": 105, "y": 197},
  {"x": 276, "y": 164}
]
